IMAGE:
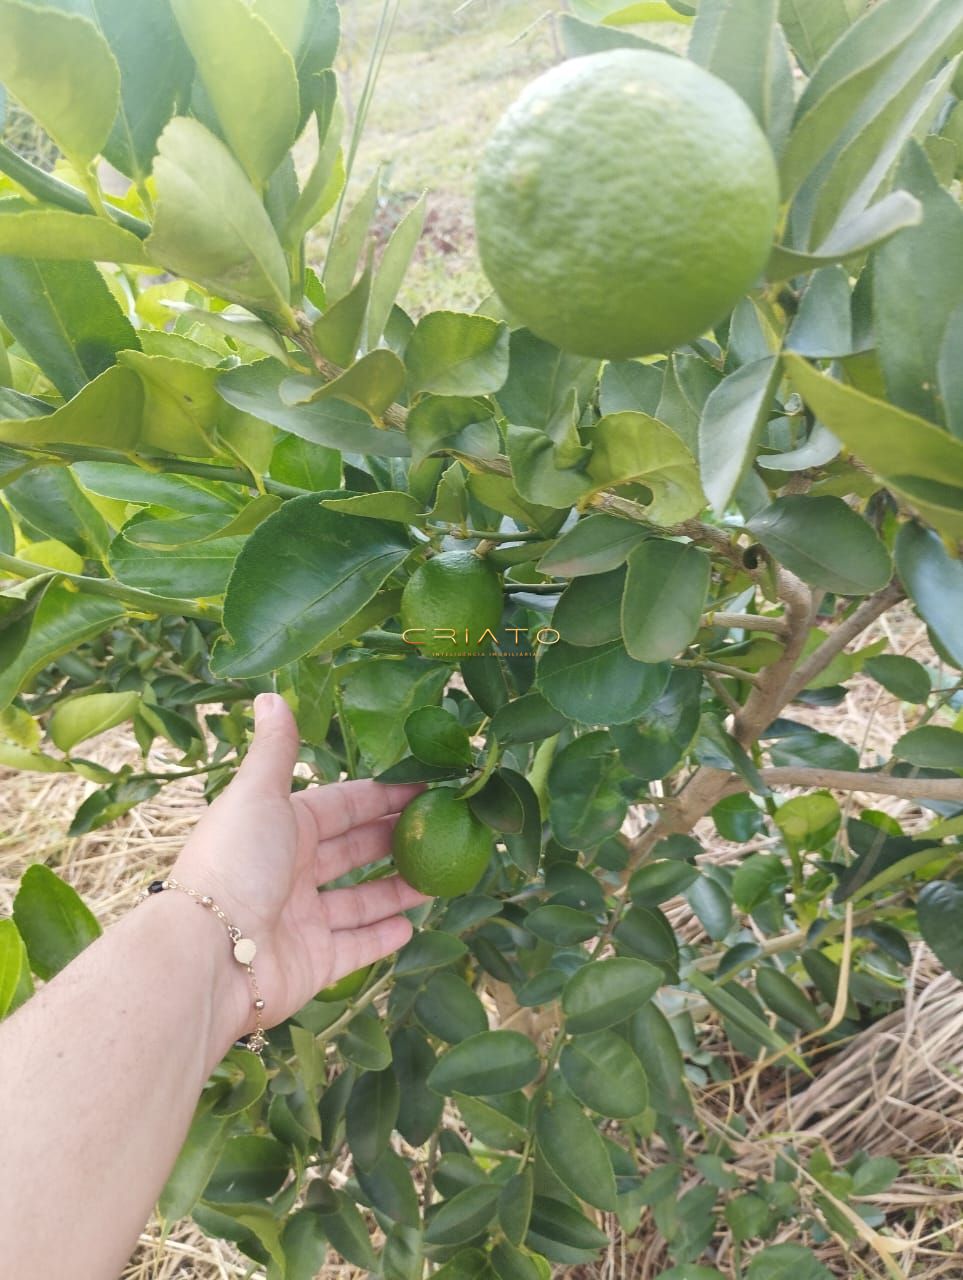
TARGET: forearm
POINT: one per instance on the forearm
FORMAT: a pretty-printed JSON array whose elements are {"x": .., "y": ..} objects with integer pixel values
[{"x": 101, "y": 1071}]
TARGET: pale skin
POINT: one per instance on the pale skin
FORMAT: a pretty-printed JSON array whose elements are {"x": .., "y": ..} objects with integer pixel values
[{"x": 102, "y": 1068}]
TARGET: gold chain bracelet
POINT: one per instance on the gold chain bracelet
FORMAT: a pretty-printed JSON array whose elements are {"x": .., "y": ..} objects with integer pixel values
[{"x": 244, "y": 953}]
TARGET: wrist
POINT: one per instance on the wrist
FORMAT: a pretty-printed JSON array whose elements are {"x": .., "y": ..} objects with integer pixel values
[{"x": 203, "y": 946}]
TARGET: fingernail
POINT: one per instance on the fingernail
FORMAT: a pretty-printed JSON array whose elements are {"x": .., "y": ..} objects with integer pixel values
[{"x": 265, "y": 705}]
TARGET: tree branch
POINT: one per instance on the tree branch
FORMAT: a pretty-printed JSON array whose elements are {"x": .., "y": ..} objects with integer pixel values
[
  {"x": 769, "y": 696},
  {"x": 872, "y": 608},
  {"x": 873, "y": 780}
]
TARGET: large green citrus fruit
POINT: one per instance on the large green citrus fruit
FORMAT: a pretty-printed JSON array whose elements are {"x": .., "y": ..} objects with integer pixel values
[
  {"x": 625, "y": 203},
  {"x": 455, "y": 591},
  {"x": 439, "y": 846}
]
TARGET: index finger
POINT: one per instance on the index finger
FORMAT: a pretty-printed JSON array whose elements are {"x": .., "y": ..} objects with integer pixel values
[{"x": 336, "y": 807}]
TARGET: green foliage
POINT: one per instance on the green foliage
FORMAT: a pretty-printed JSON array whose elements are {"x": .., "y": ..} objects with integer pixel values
[{"x": 222, "y": 481}]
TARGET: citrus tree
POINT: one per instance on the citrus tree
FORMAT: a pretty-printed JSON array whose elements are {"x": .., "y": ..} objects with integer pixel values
[{"x": 592, "y": 600}]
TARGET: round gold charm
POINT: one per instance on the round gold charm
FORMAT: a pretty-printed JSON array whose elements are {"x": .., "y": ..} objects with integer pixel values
[{"x": 244, "y": 950}]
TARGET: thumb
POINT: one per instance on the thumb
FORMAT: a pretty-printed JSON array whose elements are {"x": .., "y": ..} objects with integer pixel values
[{"x": 270, "y": 759}]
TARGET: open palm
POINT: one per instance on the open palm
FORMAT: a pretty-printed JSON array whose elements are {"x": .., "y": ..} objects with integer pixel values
[{"x": 262, "y": 852}]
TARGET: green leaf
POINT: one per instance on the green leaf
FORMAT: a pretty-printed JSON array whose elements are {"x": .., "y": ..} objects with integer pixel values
[
  {"x": 589, "y": 610},
  {"x": 392, "y": 268},
  {"x": 247, "y": 1079},
  {"x": 607, "y": 991},
  {"x": 412, "y": 1061},
  {"x": 378, "y": 695},
  {"x": 561, "y": 925},
  {"x": 515, "y": 1205},
  {"x": 196, "y": 569},
  {"x": 348, "y": 1234},
  {"x": 454, "y": 354},
  {"x": 16, "y": 985},
  {"x": 106, "y": 413},
  {"x": 665, "y": 594},
  {"x": 809, "y": 821},
  {"x": 585, "y": 802},
  {"x": 370, "y": 1116},
  {"x": 389, "y": 1188},
  {"x": 491, "y": 1062},
  {"x": 436, "y": 737},
  {"x": 255, "y": 389},
  {"x": 736, "y": 44},
  {"x": 917, "y": 286},
  {"x": 873, "y": 227},
  {"x": 786, "y": 1000},
  {"x": 931, "y": 747},
  {"x": 634, "y": 448},
  {"x": 787, "y": 1262},
  {"x": 526, "y": 719},
  {"x": 65, "y": 317},
  {"x": 556, "y": 1223},
  {"x": 653, "y": 1040},
  {"x": 428, "y": 949},
  {"x": 300, "y": 575},
  {"x": 653, "y": 746},
  {"x": 449, "y": 1009},
  {"x": 736, "y": 1012},
  {"x": 463, "y": 1217},
  {"x": 903, "y": 677},
  {"x": 599, "y": 685},
  {"x": 61, "y": 69},
  {"x": 875, "y": 1176},
  {"x": 661, "y": 880},
  {"x": 305, "y": 1245},
  {"x": 511, "y": 1263},
  {"x": 63, "y": 620},
  {"x": 759, "y": 878},
  {"x": 55, "y": 235},
  {"x": 52, "y": 920},
  {"x": 249, "y": 79},
  {"x": 347, "y": 247},
  {"x": 732, "y": 420},
  {"x": 490, "y": 1125},
  {"x": 155, "y": 73},
  {"x": 372, "y": 383},
  {"x": 604, "y": 1074},
  {"x": 813, "y": 27},
  {"x": 824, "y": 542},
  {"x": 77, "y": 719},
  {"x": 596, "y": 544},
  {"x": 250, "y": 1167},
  {"x": 209, "y": 224},
  {"x": 575, "y": 1152},
  {"x": 934, "y": 582},
  {"x": 366, "y": 1044},
  {"x": 195, "y": 1163}
]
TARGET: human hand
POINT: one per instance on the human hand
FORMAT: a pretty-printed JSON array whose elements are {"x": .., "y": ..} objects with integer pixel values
[{"x": 261, "y": 853}]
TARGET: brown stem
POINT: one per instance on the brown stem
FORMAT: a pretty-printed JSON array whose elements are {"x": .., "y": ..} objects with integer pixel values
[
  {"x": 872, "y": 608},
  {"x": 769, "y": 696},
  {"x": 875, "y": 781}
]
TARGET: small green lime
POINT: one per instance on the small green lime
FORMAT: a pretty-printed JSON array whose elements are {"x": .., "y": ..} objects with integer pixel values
[
  {"x": 439, "y": 846},
  {"x": 450, "y": 601},
  {"x": 625, "y": 203},
  {"x": 345, "y": 987}
]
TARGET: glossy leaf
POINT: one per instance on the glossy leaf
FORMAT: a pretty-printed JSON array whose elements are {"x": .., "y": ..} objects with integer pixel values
[
  {"x": 604, "y": 1074},
  {"x": 78, "y": 719},
  {"x": 824, "y": 542},
  {"x": 931, "y": 747},
  {"x": 596, "y": 544},
  {"x": 632, "y": 448},
  {"x": 54, "y": 234},
  {"x": 195, "y": 1163},
  {"x": 52, "y": 920},
  {"x": 250, "y": 1167},
  {"x": 16, "y": 985},
  {"x": 934, "y": 581},
  {"x": 903, "y": 677},
  {"x": 449, "y": 1009},
  {"x": 370, "y": 1116},
  {"x": 607, "y": 991},
  {"x": 436, "y": 737},
  {"x": 575, "y": 1152},
  {"x": 492, "y": 1062},
  {"x": 665, "y": 594},
  {"x": 787, "y": 1262},
  {"x": 451, "y": 354},
  {"x": 599, "y": 685},
  {"x": 732, "y": 420},
  {"x": 210, "y": 225},
  {"x": 256, "y": 103},
  {"x": 299, "y": 576},
  {"x": 62, "y": 70},
  {"x": 461, "y": 1218}
]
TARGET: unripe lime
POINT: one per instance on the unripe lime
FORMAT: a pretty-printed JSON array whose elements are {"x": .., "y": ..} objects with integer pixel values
[
  {"x": 439, "y": 846},
  {"x": 625, "y": 203},
  {"x": 456, "y": 591},
  {"x": 345, "y": 987}
]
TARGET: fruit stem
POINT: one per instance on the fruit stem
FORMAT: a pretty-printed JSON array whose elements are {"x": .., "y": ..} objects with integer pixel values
[{"x": 491, "y": 761}]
